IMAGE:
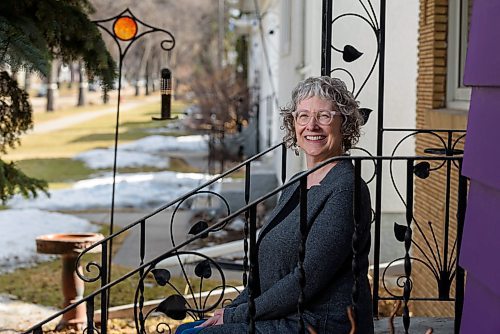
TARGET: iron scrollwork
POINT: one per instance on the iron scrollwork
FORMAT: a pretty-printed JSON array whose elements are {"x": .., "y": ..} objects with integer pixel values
[
  {"x": 167, "y": 44},
  {"x": 178, "y": 305},
  {"x": 349, "y": 52},
  {"x": 441, "y": 265}
]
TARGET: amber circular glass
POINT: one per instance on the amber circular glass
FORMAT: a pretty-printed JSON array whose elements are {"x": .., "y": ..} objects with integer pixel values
[
  {"x": 125, "y": 28},
  {"x": 324, "y": 117}
]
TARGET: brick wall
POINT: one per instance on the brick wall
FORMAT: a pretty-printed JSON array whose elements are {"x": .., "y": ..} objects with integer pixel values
[{"x": 429, "y": 194}]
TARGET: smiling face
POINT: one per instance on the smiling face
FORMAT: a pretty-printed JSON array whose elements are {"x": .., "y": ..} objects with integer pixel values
[{"x": 319, "y": 142}]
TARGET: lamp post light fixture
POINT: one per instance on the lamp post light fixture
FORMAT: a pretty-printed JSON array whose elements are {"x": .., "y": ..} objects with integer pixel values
[{"x": 125, "y": 28}]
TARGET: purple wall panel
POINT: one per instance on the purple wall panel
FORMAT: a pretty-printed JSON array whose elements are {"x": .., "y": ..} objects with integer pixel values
[
  {"x": 480, "y": 244},
  {"x": 481, "y": 239},
  {"x": 483, "y": 62},
  {"x": 480, "y": 309},
  {"x": 482, "y": 144}
]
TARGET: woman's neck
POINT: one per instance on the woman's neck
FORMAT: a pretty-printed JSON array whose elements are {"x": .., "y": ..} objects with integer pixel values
[{"x": 318, "y": 175}]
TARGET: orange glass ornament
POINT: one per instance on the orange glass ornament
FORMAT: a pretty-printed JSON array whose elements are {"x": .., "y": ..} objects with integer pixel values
[{"x": 125, "y": 28}]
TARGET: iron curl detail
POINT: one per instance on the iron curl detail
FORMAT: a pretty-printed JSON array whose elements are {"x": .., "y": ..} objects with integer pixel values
[
  {"x": 178, "y": 305},
  {"x": 88, "y": 268},
  {"x": 202, "y": 226},
  {"x": 165, "y": 326},
  {"x": 86, "y": 330},
  {"x": 166, "y": 44},
  {"x": 351, "y": 54}
]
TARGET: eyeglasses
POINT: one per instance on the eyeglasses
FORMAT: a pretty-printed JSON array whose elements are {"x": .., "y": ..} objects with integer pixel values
[{"x": 323, "y": 117}]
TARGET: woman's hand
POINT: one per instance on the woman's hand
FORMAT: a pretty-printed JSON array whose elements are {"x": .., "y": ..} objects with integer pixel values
[{"x": 215, "y": 320}]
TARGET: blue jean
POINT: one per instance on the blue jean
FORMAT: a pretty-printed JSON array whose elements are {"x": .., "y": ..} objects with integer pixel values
[{"x": 188, "y": 328}]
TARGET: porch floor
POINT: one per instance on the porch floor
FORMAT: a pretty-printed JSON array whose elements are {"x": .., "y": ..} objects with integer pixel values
[{"x": 418, "y": 325}]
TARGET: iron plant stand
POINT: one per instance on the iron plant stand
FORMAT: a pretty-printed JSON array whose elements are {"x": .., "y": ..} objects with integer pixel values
[{"x": 125, "y": 28}]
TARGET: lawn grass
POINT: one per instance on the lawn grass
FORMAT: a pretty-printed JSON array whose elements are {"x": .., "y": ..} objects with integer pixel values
[
  {"x": 42, "y": 284},
  {"x": 41, "y": 117},
  {"x": 61, "y": 172},
  {"x": 48, "y": 156},
  {"x": 95, "y": 133},
  {"x": 55, "y": 170}
]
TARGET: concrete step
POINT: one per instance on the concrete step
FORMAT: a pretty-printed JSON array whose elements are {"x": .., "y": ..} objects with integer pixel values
[{"x": 418, "y": 325}]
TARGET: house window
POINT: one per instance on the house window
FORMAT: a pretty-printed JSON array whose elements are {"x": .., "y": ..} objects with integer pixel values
[{"x": 458, "y": 96}]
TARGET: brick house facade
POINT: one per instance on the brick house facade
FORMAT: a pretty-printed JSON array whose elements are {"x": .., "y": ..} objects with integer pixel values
[{"x": 433, "y": 112}]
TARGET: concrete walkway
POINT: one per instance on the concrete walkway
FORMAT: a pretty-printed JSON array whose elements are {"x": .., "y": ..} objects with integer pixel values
[
  {"x": 64, "y": 122},
  {"x": 69, "y": 100},
  {"x": 157, "y": 234},
  {"x": 418, "y": 325},
  {"x": 16, "y": 316}
]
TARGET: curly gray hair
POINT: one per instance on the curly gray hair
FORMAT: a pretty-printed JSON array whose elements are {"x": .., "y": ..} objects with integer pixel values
[{"x": 326, "y": 88}]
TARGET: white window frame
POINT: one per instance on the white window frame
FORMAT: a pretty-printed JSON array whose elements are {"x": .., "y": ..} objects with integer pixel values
[{"x": 457, "y": 95}]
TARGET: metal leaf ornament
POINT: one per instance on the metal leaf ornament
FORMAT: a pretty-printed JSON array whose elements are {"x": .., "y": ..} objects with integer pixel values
[
  {"x": 350, "y": 53},
  {"x": 162, "y": 276},
  {"x": 203, "y": 269},
  {"x": 399, "y": 232},
  {"x": 422, "y": 169},
  {"x": 199, "y": 227},
  {"x": 365, "y": 113},
  {"x": 173, "y": 307}
]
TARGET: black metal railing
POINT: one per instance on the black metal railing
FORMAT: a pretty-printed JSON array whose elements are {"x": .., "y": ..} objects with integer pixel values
[
  {"x": 94, "y": 271},
  {"x": 335, "y": 60},
  {"x": 176, "y": 306},
  {"x": 432, "y": 254}
]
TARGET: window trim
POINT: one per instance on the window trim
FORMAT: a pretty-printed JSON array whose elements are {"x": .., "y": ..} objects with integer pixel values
[{"x": 457, "y": 97}]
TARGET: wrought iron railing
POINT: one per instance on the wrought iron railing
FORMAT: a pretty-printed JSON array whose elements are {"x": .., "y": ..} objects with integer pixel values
[
  {"x": 429, "y": 249},
  {"x": 176, "y": 306},
  {"x": 94, "y": 271},
  {"x": 335, "y": 60}
]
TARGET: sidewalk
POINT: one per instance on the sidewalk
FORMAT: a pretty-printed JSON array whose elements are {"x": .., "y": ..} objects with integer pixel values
[
  {"x": 64, "y": 122},
  {"x": 157, "y": 234},
  {"x": 11, "y": 309},
  {"x": 39, "y": 104}
]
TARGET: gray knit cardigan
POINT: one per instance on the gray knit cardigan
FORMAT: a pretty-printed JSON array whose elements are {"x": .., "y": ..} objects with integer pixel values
[{"x": 328, "y": 263}]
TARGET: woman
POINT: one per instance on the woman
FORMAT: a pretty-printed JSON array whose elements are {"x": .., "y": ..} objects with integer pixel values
[{"x": 323, "y": 121}]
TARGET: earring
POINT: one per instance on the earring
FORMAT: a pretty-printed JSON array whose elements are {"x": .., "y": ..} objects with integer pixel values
[{"x": 295, "y": 148}]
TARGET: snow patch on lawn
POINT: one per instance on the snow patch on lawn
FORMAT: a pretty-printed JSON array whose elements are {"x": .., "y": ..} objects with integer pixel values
[
  {"x": 21, "y": 227},
  {"x": 133, "y": 190}
]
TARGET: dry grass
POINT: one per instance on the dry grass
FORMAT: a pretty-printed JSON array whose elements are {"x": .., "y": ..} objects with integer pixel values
[{"x": 127, "y": 326}]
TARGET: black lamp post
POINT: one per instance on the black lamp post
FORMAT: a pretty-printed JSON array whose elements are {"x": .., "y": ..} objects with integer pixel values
[{"x": 125, "y": 29}]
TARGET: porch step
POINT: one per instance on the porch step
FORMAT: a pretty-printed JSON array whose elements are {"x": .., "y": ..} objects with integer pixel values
[
  {"x": 418, "y": 325},
  {"x": 225, "y": 249},
  {"x": 127, "y": 311}
]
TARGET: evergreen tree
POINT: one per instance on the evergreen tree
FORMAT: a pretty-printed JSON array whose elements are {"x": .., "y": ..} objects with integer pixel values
[{"x": 32, "y": 33}]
